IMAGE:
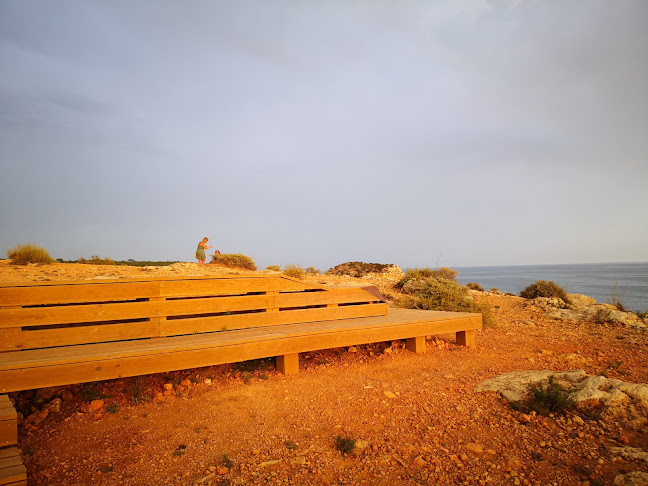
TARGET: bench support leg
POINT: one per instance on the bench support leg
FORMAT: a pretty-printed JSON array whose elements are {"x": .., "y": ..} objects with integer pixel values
[
  {"x": 8, "y": 423},
  {"x": 288, "y": 364},
  {"x": 416, "y": 344},
  {"x": 466, "y": 338},
  {"x": 12, "y": 470}
]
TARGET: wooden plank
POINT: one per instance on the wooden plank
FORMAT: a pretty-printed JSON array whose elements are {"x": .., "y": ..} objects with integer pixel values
[
  {"x": 8, "y": 422},
  {"x": 197, "y": 351},
  {"x": 12, "y": 470},
  {"x": 288, "y": 364},
  {"x": 242, "y": 321},
  {"x": 42, "y": 316},
  {"x": 6, "y": 452},
  {"x": 45, "y": 338},
  {"x": 101, "y": 291}
]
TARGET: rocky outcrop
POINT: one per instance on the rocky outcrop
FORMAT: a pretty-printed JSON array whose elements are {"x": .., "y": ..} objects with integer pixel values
[
  {"x": 581, "y": 307},
  {"x": 616, "y": 396}
]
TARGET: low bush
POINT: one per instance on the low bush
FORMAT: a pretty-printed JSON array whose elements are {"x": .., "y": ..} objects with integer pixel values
[
  {"x": 234, "y": 260},
  {"x": 357, "y": 269},
  {"x": 439, "y": 293},
  {"x": 474, "y": 286},
  {"x": 29, "y": 253},
  {"x": 274, "y": 268},
  {"x": 344, "y": 444},
  {"x": 542, "y": 288},
  {"x": 603, "y": 316},
  {"x": 547, "y": 399},
  {"x": 313, "y": 271},
  {"x": 294, "y": 271}
]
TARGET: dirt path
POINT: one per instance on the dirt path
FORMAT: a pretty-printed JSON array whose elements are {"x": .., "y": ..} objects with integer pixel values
[{"x": 417, "y": 415}]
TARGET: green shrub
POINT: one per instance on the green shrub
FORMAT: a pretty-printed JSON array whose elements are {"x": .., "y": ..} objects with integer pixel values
[
  {"x": 425, "y": 273},
  {"x": 29, "y": 253},
  {"x": 548, "y": 399},
  {"x": 357, "y": 269},
  {"x": 642, "y": 315},
  {"x": 235, "y": 260},
  {"x": 542, "y": 288},
  {"x": 294, "y": 271},
  {"x": 274, "y": 268},
  {"x": 344, "y": 444},
  {"x": 474, "y": 286},
  {"x": 439, "y": 293}
]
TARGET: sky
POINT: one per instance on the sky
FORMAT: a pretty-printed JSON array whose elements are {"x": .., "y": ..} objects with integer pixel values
[{"x": 417, "y": 133}]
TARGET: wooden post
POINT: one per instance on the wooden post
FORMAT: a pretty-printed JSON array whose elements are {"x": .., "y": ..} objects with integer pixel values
[
  {"x": 8, "y": 422},
  {"x": 466, "y": 338},
  {"x": 288, "y": 364},
  {"x": 272, "y": 309},
  {"x": 160, "y": 319},
  {"x": 416, "y": 344}
]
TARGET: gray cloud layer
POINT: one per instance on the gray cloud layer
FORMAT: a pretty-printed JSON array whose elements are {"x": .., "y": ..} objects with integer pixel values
[{"x": 322, "y": 132}]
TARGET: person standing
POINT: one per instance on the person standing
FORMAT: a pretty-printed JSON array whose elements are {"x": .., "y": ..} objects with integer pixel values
[{"x": 200, "y": 251}]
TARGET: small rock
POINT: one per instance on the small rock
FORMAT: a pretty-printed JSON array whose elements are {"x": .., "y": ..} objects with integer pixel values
[
  {"x": 299, "y": 460},
  {"x": 221, "y": 470},
  {"x": 474, "y": 447},
  {"x": 96, "y": 405},
  {"x": 67, "y": 396},
  {"x": 269, "y": 463},
  {"x": 419, "y": 461},
  {"x": 359, "y": 447},
  {"x": 168, "y": 386},
  {"x": 186, "y": 382},
  {"x": 389, "y": 394},
  {"x": 208, "y": 381},
  {"x": 353, "y": 349}
]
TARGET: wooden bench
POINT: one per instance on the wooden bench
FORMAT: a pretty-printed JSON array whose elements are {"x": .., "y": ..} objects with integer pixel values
[
  {"x": 59, "y": 333},
  {"x": 68, "y": 332}
]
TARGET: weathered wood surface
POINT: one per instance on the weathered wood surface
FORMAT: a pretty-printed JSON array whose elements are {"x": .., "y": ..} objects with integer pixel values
[
  {"x": 8, "y": 422},
  {"x": 93, "y": 362},
  {"x": 12, "y": 470},
  {"x": 73, "y": 313}
]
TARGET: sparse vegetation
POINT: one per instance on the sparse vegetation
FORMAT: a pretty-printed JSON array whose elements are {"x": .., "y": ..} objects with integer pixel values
[
  {"x": 438, "y": 289},
  {"x": 113, "y": 408},
  {"x": 290, "y": 445},
  {"x": 313, "y": 271},
  {"x": 357, "y": 269},
  {"x": 546, "y": 399},
  {"x": 29, "y": 253},
  {"x": 344, "y": 444},
  {"x": 474, "y": 286},
  {"x": 603, "y": 316},
  {"x": 294, "y": 271},
  {"x": 226, "y": 461},
  {"x": 234, "y": 260},
  {"x": 616, "y": 297},
  {"x": 542, "y": 288},
  {"x": 274, "y": 268}
]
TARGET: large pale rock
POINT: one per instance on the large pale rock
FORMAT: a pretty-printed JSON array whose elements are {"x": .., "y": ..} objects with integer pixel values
[
  {"x": 580, "y": 301},
  {"x": 514, "y": 386},
  {"x": 636, "y": 478},
  {"x": 614, "y": 394}
]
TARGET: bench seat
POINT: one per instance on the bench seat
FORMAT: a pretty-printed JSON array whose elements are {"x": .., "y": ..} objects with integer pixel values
[{"x": 92, "y": 362}]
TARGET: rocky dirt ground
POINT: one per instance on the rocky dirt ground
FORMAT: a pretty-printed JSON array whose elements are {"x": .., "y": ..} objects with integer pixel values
[{"x": 416, "y": 418}]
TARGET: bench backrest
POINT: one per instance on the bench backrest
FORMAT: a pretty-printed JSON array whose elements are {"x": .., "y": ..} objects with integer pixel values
[{"x": 47, "y": 314}]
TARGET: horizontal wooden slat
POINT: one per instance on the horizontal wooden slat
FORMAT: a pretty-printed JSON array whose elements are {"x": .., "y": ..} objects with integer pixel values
[
  {"x": 12, "y": 470},
  {"x": 42, "y": 316},
  {"x": 243, "y": 321},
  {"x": 46, "y": 338},
  {"x": 103, "y": 291},
  {"x": 40, "y": 368}
]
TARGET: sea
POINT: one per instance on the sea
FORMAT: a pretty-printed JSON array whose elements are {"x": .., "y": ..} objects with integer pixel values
[{"x": 605, "y": 282}]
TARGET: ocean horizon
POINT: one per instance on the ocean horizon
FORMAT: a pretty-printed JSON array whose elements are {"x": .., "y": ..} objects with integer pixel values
[{"x": 626, "y": 281}]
